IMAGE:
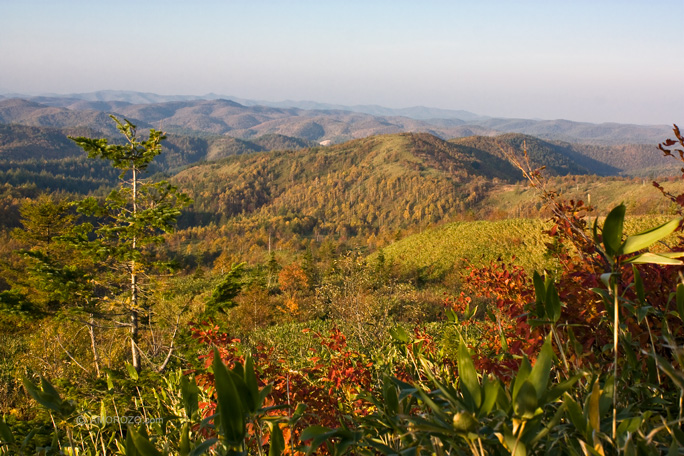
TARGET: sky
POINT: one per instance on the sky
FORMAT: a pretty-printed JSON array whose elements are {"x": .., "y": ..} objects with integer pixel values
[{"x": 594, "y": 61}]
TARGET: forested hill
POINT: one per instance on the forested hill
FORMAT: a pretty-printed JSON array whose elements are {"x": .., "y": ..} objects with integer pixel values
[
  {"x": 557, "y": 158},
  {"x": 362, "y": 185}
]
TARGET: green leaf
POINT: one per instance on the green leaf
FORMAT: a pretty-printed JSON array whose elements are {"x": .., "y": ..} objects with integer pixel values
[
  {"x": 559, "y": 389},
  {"x": 131, "y": 371},
  {"x": 539, "y": 377},
  {"x": 680, "y": 300},
  {"x": 575, "y": 413},
  {"x": 277, "y": 444},
  {"x": 45, "y": 399},
  {"x": 540, "y": 294},
  {"x": 655, "y": 258},
  {"x": 203, "y": 447},
  {"x": 490, "y": 390},
  {"x": 131, "y": 450},
  {"x": 144, "y": 446},
  {"x": 389, "y": 394},
  {"x": 553, "y": 304},
  {"x": 522, "y": 375},
  {"x": 612, "y": 230},
  {"x": 232, "y": 420},
  {"x": 647, "y": 238},
  {"x": 594, "y": 410},
  {"x": 313, "y": 431},
  {"x": 190, "y": 395},
  {"x": 252, "y": 384},
  {"x": 6, "y": 433},
  {"x": 629, "y": 425},
  {"x": 184, "y": 446},
  {"x": 525, "y": 402},
  {"x": 399, "y": 334},
  {"x": 639, "y": 286},
  {"x": 451, "y": 316},
  {"x": 468, "y": 377}
]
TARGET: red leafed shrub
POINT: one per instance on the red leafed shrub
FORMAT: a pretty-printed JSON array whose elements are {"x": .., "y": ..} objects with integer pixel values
[
  {"x": 501, "y": 328},
  {"x": 328, "y": 384}
]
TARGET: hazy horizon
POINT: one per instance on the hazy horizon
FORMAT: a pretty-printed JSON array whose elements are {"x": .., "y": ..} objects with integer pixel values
[{"x": 580, "y": 61}]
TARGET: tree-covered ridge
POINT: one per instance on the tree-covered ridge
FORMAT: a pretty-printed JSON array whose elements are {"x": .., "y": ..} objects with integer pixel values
[{"x": 363, "y": 185}]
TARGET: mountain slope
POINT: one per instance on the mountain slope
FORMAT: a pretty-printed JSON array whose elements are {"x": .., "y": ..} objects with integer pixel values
[
  {"x": 557, "y": 159},
  {"x": 360, "y": 186}
]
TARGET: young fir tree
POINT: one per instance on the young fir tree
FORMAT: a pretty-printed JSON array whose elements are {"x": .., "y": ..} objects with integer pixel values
[{"x": 132, "y": 219}]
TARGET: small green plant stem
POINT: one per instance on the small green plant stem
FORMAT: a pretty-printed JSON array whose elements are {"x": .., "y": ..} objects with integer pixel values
[
  {"x": 56, "y": 432},
  {"x": 560, "y": 349},
  {"x": 650, "y": 336},
  {"x": 616, "y": 329},
  {"x": 520, "y": 433}
]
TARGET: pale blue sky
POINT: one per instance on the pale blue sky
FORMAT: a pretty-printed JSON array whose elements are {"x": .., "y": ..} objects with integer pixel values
[{"x": 597, "y": 61}]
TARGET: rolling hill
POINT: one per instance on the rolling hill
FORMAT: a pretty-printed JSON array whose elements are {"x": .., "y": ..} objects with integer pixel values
[{"x": 318, "y": 122}]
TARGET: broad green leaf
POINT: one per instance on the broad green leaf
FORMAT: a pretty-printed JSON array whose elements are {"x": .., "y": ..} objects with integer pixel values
[
  {"x": 525, "y": 402},
  {"x": 575, "y": 413},
  {"x": 522, "y": 375},
  {"x": 654, "y": 258},
  {"x": 229, "y": 403},
  {"x": 184, "y": 446},
  {"x": 144, "y": 446},
  {"x": 399, "y": 334},
  {"x": 451, "y": 316},
  {"x": 680, "y": 300},
  {"x": 131, "y": 371},
  {"x": 593, "y": 404},
  {"x": 314, "y": 431},
  {"x": 131, "y": 450},
  {"x": 5, "y": 432},
  {"x": 46, "y": 400},
  {"x": 540, "y": 293},
  {"x": 203, "y": 447},
  {"x": 490, "y": 391},
  {"x": 252, "y": 384},
  {"x": 559, "y": 389},
  {"x": 190, "y": 395},
  {"x": 612, "y": 230},
  {"x": 539, "y": 377},
  {"x": 468, "y": 377},
  {"x": 389, "y": 394},
  {"x": 277, "y": 443},
  {"x": 629, "y": 424},
  {"x": 647, "y": 238},
  {"x": 553, "y": 304},
  {"x": 605, "y": 278},
  {"x": 639, "y": 286}
]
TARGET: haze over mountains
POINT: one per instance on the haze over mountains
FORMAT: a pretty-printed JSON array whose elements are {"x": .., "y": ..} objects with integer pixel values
[
  {"x": 246, "y": 119},
  {"x": 210, "y": 128}
]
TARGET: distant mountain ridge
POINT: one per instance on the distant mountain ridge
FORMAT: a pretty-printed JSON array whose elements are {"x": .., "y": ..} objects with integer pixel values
[{"x": 217, "y": 116}]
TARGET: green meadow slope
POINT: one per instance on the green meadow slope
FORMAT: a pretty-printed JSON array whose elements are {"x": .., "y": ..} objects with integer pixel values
[{"x": 444, "y": 249}]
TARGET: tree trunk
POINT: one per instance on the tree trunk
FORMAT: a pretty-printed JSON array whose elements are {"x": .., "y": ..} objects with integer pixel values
[
  {"x": 135, "y": 353},
  {"x": 93, "y": 345}
]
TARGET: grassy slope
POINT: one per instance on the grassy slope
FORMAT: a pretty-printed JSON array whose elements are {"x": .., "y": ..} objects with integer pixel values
[
  {"x": 638, "y": 195},
  {"x": 443, "y": 249}
]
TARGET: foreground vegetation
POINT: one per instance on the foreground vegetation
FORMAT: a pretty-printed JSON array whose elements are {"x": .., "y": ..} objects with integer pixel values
[{"x": 572, "y": 347}]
